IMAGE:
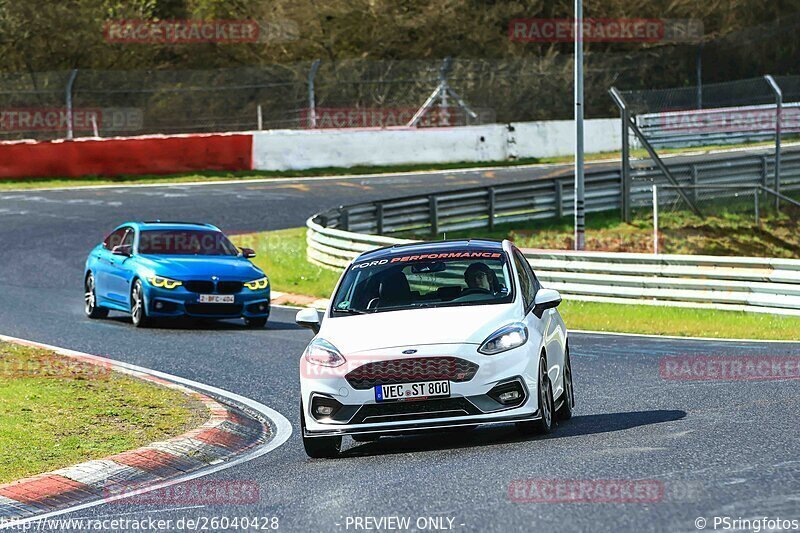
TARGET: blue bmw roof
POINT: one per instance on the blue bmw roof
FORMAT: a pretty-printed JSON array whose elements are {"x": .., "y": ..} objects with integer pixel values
[{"x": 170, "y": 225}]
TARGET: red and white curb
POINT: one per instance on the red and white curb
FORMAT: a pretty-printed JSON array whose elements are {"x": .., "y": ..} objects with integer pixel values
[{"x": 231, "y": 436}]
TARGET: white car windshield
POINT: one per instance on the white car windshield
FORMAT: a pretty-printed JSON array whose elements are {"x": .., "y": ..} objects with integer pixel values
[{"x": 437, "y": 279}]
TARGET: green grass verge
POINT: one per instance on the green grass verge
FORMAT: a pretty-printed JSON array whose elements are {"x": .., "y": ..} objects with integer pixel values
[
  {"x": 680, "y": 232},
  {"x": 55, "y": 412},
  {"x": 282, "y": 255},
  {"x": 679, "y": 321}
]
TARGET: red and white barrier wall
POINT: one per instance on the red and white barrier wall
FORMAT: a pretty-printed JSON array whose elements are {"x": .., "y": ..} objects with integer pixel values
[
  {"x": 300, "y": 149},
  {"x": 134, "y": 155}
]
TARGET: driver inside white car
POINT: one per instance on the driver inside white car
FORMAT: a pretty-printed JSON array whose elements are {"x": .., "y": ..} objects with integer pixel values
[{"x": 480, "y": 276}]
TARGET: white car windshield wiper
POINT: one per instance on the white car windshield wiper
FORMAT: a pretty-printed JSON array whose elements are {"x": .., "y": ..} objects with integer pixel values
[{"x": 351, "y": 311}]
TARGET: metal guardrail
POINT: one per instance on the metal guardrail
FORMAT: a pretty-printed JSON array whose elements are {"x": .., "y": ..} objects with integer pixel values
[
  {"x": 724, "y": 125},
  {"x": 335, "y": 237},
  {"x": 440, "y": 212},
  {"x": 727, "y": 283}
]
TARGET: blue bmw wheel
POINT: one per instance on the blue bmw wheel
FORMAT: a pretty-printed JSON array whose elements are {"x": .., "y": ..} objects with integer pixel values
[
  {"x": 138, "y": 307},
  {"x": 90, "y": 300}
]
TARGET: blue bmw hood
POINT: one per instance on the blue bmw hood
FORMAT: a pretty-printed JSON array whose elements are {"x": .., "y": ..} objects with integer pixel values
[{"x": 202, "y": 267}]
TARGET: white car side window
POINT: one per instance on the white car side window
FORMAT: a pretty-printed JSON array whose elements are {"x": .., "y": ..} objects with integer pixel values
[{"x": 525, "y": 281}]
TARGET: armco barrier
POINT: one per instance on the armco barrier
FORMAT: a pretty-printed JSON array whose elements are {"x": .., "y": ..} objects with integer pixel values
[
  {"x": 133, "y": 155},
  {"x": 338, "y": 235},
  {"x": 727, "y": 283},
  {"x": 703, "y": 127},
  {"x": 485, "y": 206}
]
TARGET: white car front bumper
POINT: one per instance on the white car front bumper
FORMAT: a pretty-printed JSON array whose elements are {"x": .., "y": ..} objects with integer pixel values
[{"x": 473, "y": 377}]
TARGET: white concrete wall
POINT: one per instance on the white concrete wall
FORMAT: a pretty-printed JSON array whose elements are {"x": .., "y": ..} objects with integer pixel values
[
  {"x": 554, "y": 138},
  {"x": 302, "y": 149}
]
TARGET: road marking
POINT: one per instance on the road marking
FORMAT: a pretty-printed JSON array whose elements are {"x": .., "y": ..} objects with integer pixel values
[
  {"x": 679, "y": 337},
  {"x": 411, "y": 173},
  {"x": 283, "y": 430}
]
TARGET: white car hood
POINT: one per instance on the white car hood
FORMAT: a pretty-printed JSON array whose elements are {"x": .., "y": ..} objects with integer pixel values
[{"x": 444, "y": 325}]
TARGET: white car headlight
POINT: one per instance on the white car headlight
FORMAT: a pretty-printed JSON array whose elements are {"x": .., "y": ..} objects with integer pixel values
[
  {"x": 321, "y": 352},
  {"x": 504, "y": 339},
  {"x": 164, "y": 283}
]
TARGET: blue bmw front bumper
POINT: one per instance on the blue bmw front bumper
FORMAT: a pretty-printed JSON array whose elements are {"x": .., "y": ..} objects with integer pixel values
[{"x": 181, "y": 302}]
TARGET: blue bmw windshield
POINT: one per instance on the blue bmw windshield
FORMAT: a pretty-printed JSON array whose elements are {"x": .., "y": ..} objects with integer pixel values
[{"x": 185, "y": 242}]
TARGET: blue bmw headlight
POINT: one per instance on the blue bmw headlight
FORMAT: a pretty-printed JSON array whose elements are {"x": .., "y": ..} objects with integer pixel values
[
  {"x": 164, "y": 283},
  {"x": 258, "y": 284}
]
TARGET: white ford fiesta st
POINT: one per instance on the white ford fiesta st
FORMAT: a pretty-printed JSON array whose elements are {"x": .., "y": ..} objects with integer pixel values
[{"x": 434, "y": 335}]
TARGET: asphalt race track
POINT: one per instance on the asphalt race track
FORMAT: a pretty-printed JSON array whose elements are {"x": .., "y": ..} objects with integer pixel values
[{"x": 717, "y": 448}]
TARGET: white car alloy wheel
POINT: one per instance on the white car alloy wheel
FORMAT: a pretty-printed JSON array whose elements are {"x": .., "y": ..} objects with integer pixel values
[{"x": 564, "y": 411}]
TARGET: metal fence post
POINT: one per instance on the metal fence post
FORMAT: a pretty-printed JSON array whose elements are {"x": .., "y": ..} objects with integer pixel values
[
  {"x": 70, "y": 84},
  {"x": 764, "y": 170},
  {"x": 778, "y": 113},
  {"x": 312, "y": 105},
  {"x": 625, "y": 160},
  {"x": 559, "y": 198},
  {"x": 491, "y": 208},
  {"x": 756, "y": 206},
  {"x": 379, "y": 217},
  {"x": 655, "y": 219},
  {"x": 694, "y": 176},
  {"x": 433, "y": 213},
  {"x": 444, "y": 114},
  {"x": 699, "y": 68},
  {"x": 344, "y": 218}
]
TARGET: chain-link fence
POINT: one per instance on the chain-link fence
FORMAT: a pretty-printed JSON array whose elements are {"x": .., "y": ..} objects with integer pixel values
[
  {"x": 762, "y": 110},
  {"x": 325, "y": 94}
]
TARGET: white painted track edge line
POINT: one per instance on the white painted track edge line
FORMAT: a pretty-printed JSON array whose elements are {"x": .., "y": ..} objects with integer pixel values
[
  {"x": 331, "y": 177},
  {"x": 680, "y": 337},
  {"x": 283, "y": 430}
]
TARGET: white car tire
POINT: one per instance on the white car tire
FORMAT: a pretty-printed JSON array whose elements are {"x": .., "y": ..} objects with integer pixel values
[
  {"x": 545, "y": 424},
  {"x": 319, "y": 447}
]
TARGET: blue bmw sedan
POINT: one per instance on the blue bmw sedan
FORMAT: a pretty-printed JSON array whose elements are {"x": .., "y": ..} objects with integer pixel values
[{"x": 170, "y": 269}]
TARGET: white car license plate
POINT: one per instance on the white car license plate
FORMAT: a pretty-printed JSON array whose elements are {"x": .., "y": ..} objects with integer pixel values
[
  {"x": 216, "y": 298},
  {"x": 412, "y": 391}
]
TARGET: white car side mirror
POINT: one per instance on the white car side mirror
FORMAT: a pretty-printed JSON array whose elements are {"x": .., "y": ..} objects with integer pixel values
[
  {"x": 308, "y": 318},
  {"x": 545, "y": 299}
]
